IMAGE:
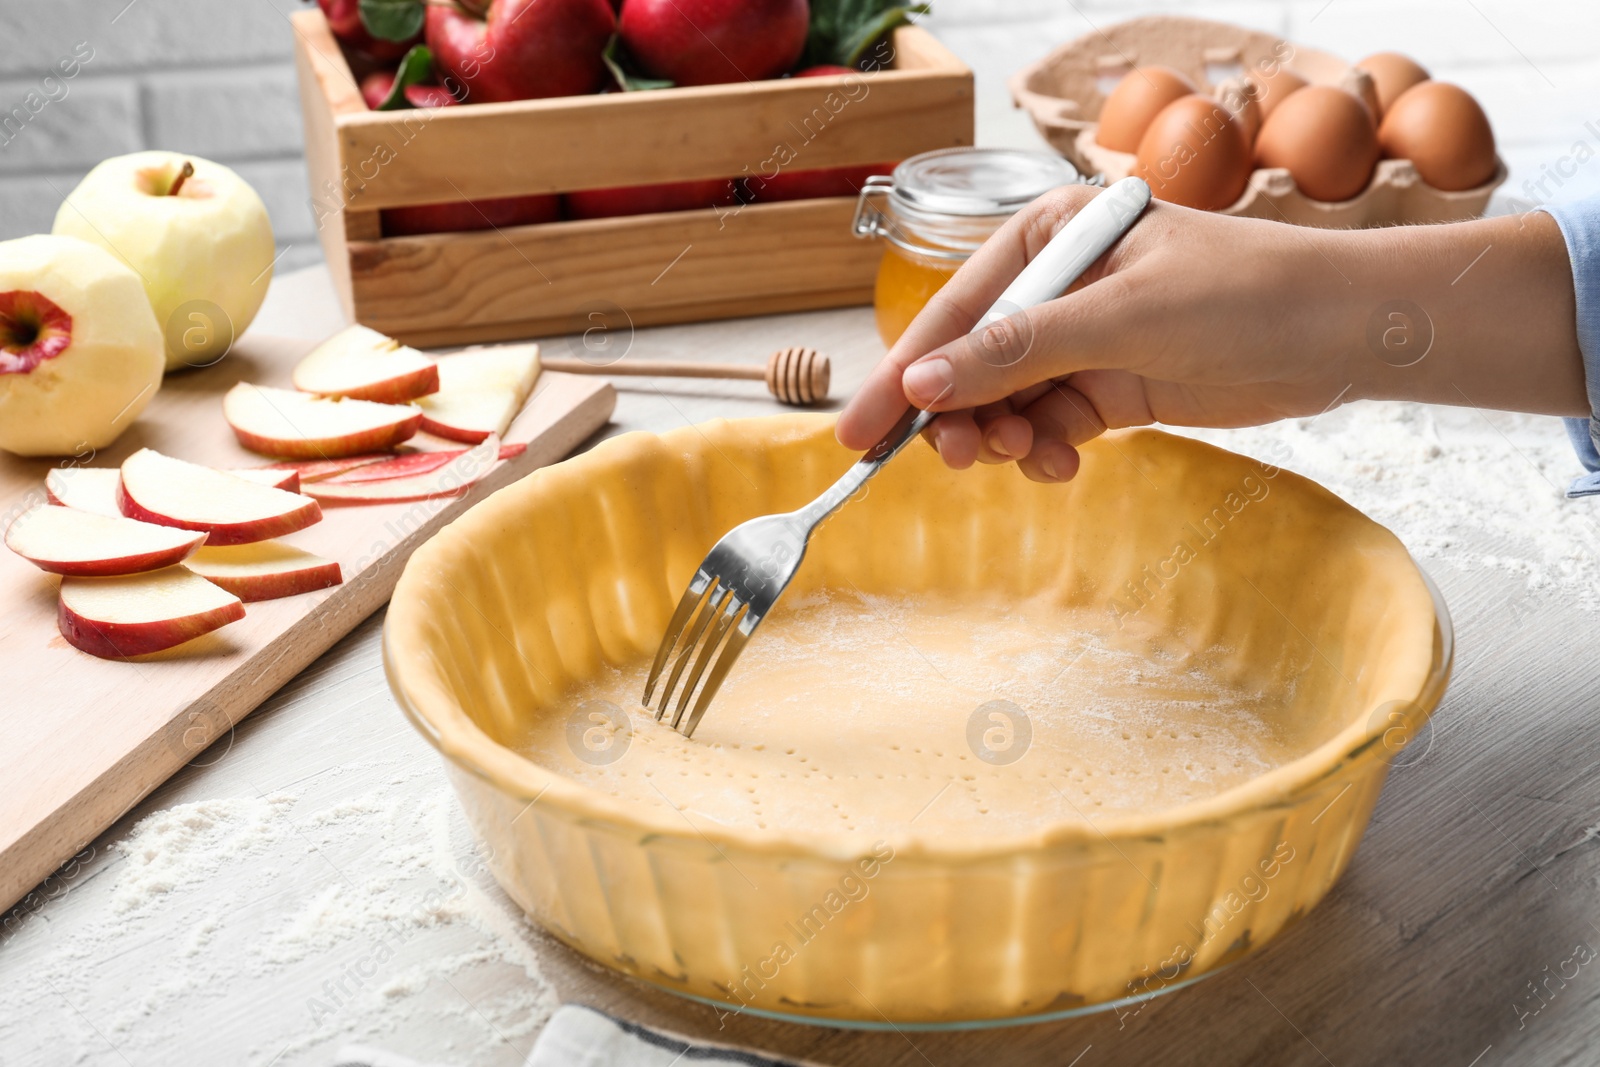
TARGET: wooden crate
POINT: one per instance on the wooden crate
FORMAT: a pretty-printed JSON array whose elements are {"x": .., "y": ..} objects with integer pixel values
[{"x": 685, "y": 266}]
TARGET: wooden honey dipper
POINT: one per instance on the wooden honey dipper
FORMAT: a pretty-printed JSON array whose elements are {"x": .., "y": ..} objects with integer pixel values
[{"x": 794, "y": 375}]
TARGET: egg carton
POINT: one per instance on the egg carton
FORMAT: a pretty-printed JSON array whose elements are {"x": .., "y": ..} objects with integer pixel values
[{"x": 1064, "y": 92}]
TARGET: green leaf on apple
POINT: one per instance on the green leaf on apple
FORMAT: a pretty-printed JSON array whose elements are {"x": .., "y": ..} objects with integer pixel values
[
  {"x": 393, "y": 20},
  {"x": 414, "y": 69},
  {"x": 620, "y": 66},
  {"x": 843, "y": 30}
]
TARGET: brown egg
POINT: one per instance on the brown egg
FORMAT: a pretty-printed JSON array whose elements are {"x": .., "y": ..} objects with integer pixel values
[
  {"x": 1138, "y": 98},
  {"x": 1194, "y": 154},
  {"x": 1241, "y": 96},
  {"x": 1324, "y": 137},
  {"x": 1392, "y": 74},
  {"x": 1276, "y": 85},
  {"x": 1445, "y": 134}
]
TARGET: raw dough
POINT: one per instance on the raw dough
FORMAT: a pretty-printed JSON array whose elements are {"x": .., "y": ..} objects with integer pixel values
[{"x": 857, "y": 712}]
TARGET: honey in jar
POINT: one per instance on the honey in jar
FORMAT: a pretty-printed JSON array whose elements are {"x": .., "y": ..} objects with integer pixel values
[
  {"x": 906, "y": 282},
  {"x": 935, "y": 210}
]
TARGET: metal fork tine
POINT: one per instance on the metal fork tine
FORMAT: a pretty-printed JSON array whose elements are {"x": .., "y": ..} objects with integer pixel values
[
  {"x": 709, "y": 609},
  {"x": 729, "y": 615},
  {"x": 730, "y": 652},
  {"x": 686, "y": 604}
]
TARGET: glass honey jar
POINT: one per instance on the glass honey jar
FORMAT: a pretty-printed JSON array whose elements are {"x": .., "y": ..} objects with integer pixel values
[{"x": 935, "y": 210}]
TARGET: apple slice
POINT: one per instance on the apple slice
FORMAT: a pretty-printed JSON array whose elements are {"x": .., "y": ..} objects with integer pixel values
[
  {"x": 281, "y": 422},
  {"x": 95, "y": 488},
  {"x": 68, "y": 541},
  {"x": 469, "y": 415},
  {"x": 411, "y": 464},
  {"x": 134, "y": 614},
  {"x": 404, "y": 466},
  {"x": 91, "y": 489},
  {"x": 315, "y": 470},
  {"x": 511, "y": 367},
  {"x": 428, "y": 442},
  {"x": 266, "y": 570},
  {"x": 480, "y": 392},
  {"x": 452, "y": 479},
  {"x": 363, "y": 364},
  {"x": 170, "y": 492},
  {"x": 286, "y": 479}
]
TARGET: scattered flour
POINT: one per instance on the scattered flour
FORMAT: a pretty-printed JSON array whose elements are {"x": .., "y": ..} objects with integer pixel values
[
  {"x": 349, "y": 915},
  {"x": 189, "y": 844},
  {"x": 1478, "y": 490},
  {"x": 201, "y": 933}
]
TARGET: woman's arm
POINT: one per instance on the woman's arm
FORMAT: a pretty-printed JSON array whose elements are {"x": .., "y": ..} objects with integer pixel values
[
  {"x": 1206, "y": 320},
  {"x": 1499, "y": 296}
]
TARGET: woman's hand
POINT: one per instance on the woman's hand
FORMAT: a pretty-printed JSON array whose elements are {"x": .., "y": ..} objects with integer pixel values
[{"x": 1200, "y": 319}]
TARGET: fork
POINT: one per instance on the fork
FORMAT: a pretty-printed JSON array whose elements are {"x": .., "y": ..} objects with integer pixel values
[{"x": 743, "y": 575}]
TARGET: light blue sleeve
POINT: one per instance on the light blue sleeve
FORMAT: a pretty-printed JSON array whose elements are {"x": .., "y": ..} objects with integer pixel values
[{"x": 1580, "y": 225}]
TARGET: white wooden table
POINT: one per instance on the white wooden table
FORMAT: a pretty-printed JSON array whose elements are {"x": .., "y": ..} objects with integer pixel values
[{"x": 309, "y": 881}]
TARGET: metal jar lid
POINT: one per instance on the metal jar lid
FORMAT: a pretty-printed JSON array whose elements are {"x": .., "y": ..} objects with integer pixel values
[{"x": 945, "y": 204}]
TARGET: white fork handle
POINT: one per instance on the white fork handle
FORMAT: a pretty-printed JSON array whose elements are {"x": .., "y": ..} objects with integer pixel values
[{"x": 1084, "y": 239}]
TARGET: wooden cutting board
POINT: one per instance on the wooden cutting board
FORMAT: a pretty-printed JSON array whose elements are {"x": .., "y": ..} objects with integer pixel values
[{"x": 83, "y": 739}]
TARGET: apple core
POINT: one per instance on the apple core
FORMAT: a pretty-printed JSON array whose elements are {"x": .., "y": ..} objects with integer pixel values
[{"x": 32, "y": 330}]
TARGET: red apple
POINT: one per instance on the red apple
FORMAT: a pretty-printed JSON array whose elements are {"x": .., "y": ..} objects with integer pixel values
[
  {"x": 649, "y": 199},
  {"x": 375, "y": 89},
  {"x": 135, "y": 614},
  {"x": 810, "y": 184},
  {"x": 523, "y": 49},
  {"x": 466, "y": 215},
  {"x": 430, "y": 96},
  {"x": 344, "y": 19},
  {"x": 704, "y": 42}
]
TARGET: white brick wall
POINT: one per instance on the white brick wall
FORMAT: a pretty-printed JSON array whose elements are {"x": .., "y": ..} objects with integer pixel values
[{"x": 214, "y": 77}]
